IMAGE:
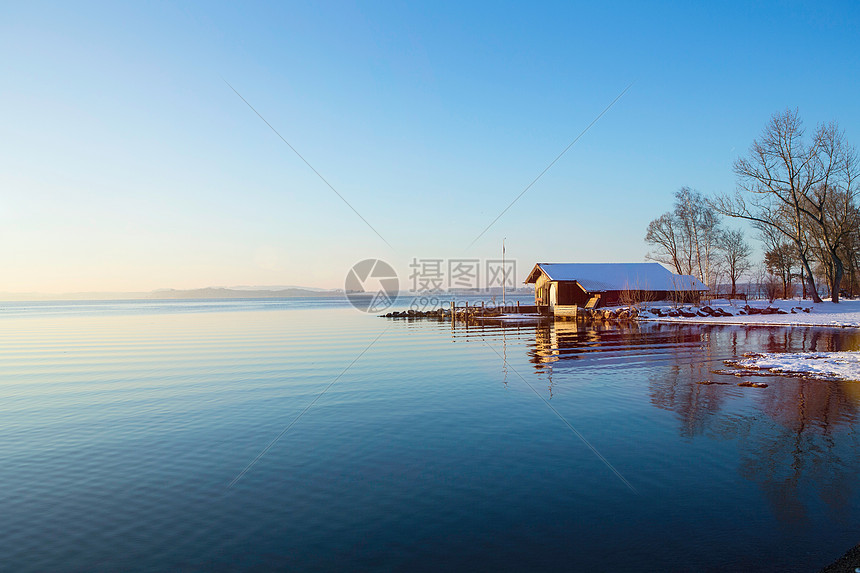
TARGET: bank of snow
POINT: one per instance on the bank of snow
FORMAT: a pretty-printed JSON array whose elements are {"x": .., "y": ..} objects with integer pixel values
[
  {"x": 828, "y": 365},
  {"x": 805, "y": 313}
]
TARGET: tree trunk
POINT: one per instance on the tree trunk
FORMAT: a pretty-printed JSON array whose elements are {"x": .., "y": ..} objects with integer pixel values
[
  {"x": 838, "y": 273},
  {"x": 803, "y": 283},
  {"x": 813, "y": 292},
  {"x": 850, "y": 270}
]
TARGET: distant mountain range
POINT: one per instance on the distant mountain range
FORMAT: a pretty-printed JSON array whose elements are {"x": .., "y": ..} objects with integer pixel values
[
  {"x": 235, "y": 292},
  {"x": 279, "y": 287},
  {"x": 242, "y": 292},
  {"x": 209, "y": 292}
]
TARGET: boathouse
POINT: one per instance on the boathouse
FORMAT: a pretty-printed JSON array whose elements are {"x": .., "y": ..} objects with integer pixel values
[{"x": 562, "y": 287}]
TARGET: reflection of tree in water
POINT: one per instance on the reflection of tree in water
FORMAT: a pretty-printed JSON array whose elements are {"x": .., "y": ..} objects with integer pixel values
[
  {"x": 675, "y": 388},
  {"x": 796, "y": 438},
  {"x": 806, "y": 448},
  {"x": 772, "y": 339}
]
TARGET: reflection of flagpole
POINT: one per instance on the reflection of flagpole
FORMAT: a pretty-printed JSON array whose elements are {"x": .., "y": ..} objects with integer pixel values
[
  {"x": 505, "y": 354},
  {"x": 504, "y": 272}
]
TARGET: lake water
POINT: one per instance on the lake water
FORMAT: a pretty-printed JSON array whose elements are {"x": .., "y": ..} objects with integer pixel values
[{"x": 418, "y": 446}]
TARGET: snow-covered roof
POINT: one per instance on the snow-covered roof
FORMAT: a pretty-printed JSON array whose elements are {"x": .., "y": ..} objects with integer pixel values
[{"x": 600, "y": 277}]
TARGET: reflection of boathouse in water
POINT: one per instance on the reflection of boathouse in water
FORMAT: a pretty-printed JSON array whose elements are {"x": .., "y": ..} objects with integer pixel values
[
  {"x": 561, "y": 288},
  {"x": 571, "y": 340}
]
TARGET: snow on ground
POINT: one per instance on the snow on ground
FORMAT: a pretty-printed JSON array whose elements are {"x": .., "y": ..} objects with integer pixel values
[
  {"x": 513, "y": 317},
  {"x": 828, "y": 365},
  {"x": 520, "y": 316},
  {"x": 845, "y": 313}
]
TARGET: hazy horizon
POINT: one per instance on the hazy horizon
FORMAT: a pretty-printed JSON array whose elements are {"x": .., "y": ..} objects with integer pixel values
[{"x": 126, "y": 295}]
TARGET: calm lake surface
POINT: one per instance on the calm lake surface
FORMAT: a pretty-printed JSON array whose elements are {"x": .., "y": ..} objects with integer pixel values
[{"x": 125, "y": 423}]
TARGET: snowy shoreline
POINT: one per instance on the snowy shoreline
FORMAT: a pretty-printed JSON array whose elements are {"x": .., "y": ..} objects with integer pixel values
[
  {"x": 791, "y": 313},
  {"x": 845, "y": 314},
  {"x": 821, "y": 365}
]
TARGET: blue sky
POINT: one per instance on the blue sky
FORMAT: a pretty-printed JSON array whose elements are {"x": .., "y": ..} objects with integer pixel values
[{"x": 126, "y": 162}]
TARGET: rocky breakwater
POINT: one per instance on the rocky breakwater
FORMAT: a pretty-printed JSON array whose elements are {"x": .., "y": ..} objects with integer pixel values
[
  {"x": 621, "y": 313},
  {"x": 461, "y": 313},
  {"x": 692, "y": 312},
  {"x": 437, "y": 313}
]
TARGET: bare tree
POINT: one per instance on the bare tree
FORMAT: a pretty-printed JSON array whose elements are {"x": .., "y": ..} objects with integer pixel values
[
  {"x": 686, "y": 237},
  {"x": 803, "y": 190},
  {"x": 771, "y": 288},
  {"x": 663, "y": 234},
  {"x": 759, "y": 278},
  {"x": 831, "y": 204},
  {"x": 780, "y": 258},
  {"x": 779, "y": 262},
  {"x": 777, "y": 174},
  {"x": 701, "y": 229},
  {"x": 636, "y": 294},
  {"x": 735, "y": 255},
  {"x": 835, "y": 219},
  {"x": 851, "y": 256}
]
